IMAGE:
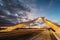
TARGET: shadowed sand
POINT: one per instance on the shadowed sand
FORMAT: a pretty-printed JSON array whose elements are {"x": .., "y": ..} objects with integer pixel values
[{"x": 27, "y": 34}]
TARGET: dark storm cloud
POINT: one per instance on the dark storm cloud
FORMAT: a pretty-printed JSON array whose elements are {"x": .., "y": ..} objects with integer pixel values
[{"x": 12, "y": 10}]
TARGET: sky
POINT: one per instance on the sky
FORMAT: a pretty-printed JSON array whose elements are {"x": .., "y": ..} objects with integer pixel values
[
  {"x": 48, "y": 8},
  {"x": 16, "y": 11}
]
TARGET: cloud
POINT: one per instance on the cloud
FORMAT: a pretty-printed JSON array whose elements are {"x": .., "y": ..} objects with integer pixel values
[
  {"x": 14, "y": 11},
  {"x": 50, "y": 4}
]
